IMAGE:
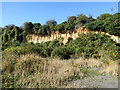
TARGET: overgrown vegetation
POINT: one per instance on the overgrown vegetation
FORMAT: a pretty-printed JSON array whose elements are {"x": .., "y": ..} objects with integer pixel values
[
  {"x": 106, "y": 23},
  {"x": 33, "y": 71},
  {"x": 87, "y": 45},
  {"x": 25, "y": 63},
  {"x": 12, "y": 34}
]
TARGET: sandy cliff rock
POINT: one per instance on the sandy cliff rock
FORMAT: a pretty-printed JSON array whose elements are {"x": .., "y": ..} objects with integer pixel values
[{"x": 66, "y": 37}]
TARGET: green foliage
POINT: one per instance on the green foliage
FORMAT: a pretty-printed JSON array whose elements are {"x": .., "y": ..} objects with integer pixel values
[
  {"x": 107, "y": 23},
  {"x": 62, "y": 52},
  {"x": 60, "y": 27},
  {"x": 87, "y": 45},
  {"x": 11, "y": 34},
  {"x": 69, "y": 26},
  {"x": 96, "y": 25},
  {"x": 52, "y": 28},
  {"x": 90, "y": 19},
  {"x": 104, "y": 16},
  {"x": 45, "y": 29},
  {"x": 36, "y": 27},
  {"x": 28, "y": 27},
  {"x": 89, "y": 73},
  {"x": 72, "y": 19},
  {"x": 51, "y": 22},
  {"x": 81, "y": 19}
]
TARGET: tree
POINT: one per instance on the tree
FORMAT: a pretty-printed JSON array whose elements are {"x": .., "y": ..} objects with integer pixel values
[
  {"x": 51, "y": 22},
  {"x": 9, "y": 27},
  {"x": 16, "y": 33},
  {"x": 36, "y": 27},
  {"x": 107, "y": 23},
  {"x": 90, "y": 19},
  {"x": 69, "y": 26},
  {"x": 65, "y": 22},
  {"x": 60, "y": 27},
  {"x": 96, "y": 25},
  {"x": 71, "y": 23},
  {"x": 28, "y": 27},
  {"x": 72, "y": 19},
  {"x": 52, "y": 28},
  {"x": 45, "y": 29},
  {"x": 104, "y": 16},
  {"x": 81, "y": 19}
]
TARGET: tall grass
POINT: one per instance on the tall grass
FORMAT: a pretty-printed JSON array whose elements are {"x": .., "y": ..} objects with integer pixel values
[{"x": 33, "y": 71}]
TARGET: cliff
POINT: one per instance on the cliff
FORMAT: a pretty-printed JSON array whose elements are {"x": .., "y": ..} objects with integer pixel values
[{"x": 66, "y": 37}]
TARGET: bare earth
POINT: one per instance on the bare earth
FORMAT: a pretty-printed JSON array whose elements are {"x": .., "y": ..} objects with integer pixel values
[
  {"x": 100, "y": 81},
  {"x": 94, "y": 82}
]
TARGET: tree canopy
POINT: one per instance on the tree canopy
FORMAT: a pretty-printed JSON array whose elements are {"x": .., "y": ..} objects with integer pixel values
[
  {"x": 12, "y": 34},
  {"x": 51, "y": 22},
  {"x": 107, "y": 23}
]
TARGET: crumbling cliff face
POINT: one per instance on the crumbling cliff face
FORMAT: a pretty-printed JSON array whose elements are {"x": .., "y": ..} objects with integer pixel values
[{"x": 65, "y": 37}]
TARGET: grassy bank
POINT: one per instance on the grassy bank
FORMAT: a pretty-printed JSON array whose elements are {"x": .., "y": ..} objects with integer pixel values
[{"x": 31, "y": 70}]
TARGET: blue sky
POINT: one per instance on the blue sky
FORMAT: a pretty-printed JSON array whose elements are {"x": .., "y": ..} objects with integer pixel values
[{"x": 19, "y": 12}]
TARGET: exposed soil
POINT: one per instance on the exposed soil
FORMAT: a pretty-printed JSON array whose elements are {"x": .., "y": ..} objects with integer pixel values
[
  {"x": 94, "y": 82},
  {"x": 97, "y": 81}
]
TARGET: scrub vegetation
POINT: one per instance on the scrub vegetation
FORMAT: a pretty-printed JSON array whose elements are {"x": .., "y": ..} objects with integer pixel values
[{"x": 51, "y": 64}]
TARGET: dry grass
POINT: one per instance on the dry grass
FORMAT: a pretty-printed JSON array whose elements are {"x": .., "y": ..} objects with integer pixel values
[
  {"x": 88, "y": 62},
  {"x": 110, "y": 68},
  {"x": 31, "y": 70}
]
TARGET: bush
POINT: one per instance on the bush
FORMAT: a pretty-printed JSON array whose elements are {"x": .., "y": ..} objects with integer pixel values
[
  {"x": 107, "y": 23},
  {"x": 86, "y": 45},
  {"x": 63, "y": 53}
]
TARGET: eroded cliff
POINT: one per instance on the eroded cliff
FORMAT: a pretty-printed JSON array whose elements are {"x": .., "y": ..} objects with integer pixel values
[{"x": 66, "y": 37}]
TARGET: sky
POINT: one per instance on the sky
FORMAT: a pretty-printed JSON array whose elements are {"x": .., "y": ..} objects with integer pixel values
[{"x": 39, "y": 12}]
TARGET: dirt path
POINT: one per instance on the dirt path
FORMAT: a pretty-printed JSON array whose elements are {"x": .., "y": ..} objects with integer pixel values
[
  {"x": 94, "y": 82},
  {"x": 97, "y": 81}
]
